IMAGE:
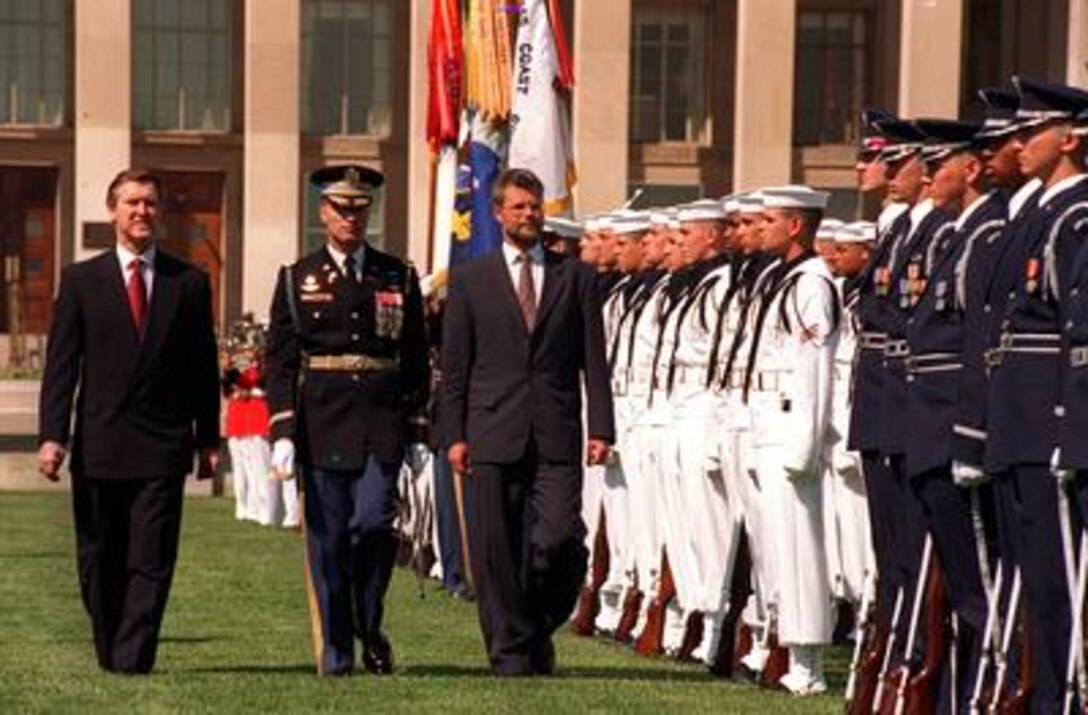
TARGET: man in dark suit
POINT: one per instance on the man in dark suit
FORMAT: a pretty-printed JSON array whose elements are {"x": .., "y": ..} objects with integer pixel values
[
  {"x": 523, "y": 326},
  {"x": 133, "y": 330},
  {"x": 347, "y": 387}
]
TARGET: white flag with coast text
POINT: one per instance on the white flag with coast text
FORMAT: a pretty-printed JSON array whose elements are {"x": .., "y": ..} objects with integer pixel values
[{"x": 540, "y": 125}]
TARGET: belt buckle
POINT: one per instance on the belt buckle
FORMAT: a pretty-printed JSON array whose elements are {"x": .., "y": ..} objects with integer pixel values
[{"x": 1006, "y": 341}]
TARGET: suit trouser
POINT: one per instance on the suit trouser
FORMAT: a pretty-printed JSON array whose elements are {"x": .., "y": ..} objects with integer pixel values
[
  {"x": 1032, "y": 497},
  {"x": 910, "y": 537},
  {"x": 126, "y": 546},
  {"x": 948, "y": 513},
  {"x": 350, "y": 550},
  {"x": 527, "y": 555},
  {"x": 884, "y": 502}
]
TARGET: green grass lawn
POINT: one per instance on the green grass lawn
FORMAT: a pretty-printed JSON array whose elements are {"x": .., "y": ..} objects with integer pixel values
[{"x": 236, "y": 639}]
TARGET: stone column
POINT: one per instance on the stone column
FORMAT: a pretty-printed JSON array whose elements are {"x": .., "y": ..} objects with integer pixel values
[
  {"x": 930, "y": 44},
  {"x": 270, "y": 172},
  {"x": 103, "y": 109},
  {"x": 1076, "y": 72},
  {"x": 602, "y": 52},
  {"x": 763, "y": 137}
]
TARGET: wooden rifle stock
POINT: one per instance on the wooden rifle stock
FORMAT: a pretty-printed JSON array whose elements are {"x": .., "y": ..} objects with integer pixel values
[
  {"x": 693, "y": 634},
  {"x": 777, "y": 665},
  {"x": 893, "y": 687},
  {"x": 1018, "y": 702},
  {"x": 632, "y": 605},
  {"x": 885, "y": 682},
  {"x": 650, "y": 640},
  {"x": 864, "y": 631},
  {"x": 740, "y": 589},
  {"x": 589, "y": 605},
  {"x": 867, "y": 676},
  {"x": 921, "y": 694}
]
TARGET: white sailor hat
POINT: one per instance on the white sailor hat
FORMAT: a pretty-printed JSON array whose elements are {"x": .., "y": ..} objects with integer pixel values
[
  {"x": 828, "y": 228},
  {"x": 856, "y": 232},
  {"x": 750, "y": 203},
  {"x": 794, "y": 196},
  {"x": 701, "y": 210},
  {"x": 631, "y": 222},
  {"x": 563, "y": 226},
  {"x": 600, "y": 222},
  {"x": 661, "y": 216}
]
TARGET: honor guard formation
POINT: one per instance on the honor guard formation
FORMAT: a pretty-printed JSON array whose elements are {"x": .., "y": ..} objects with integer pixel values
[{"x": 867, "y": 431}]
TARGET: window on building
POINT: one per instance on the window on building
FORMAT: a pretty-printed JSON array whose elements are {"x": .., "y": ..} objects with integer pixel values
[
  {"x": 313, "y": 232},
  {"x": 668, "y": 75},
  {"x": 33, "y": 62},
  {"x": 181, "y": 69},
  {"x": 347, "y": 67},
  {"x": 831, "y": 76}
]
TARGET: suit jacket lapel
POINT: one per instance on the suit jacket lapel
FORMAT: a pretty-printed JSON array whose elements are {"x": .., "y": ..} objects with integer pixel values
[
  {"x": 116, "y": 294},
  {"x": 503, "y": 279},
  {"x": 164, "y": 300},
  {"x": 554, "y": 273}
]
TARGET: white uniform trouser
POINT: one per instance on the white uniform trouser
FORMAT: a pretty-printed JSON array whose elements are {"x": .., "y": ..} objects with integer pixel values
[
  {"x": 709, "y": 505},
  {"x": 798, "y": 587},
  {"x": 846, "y": 522},
  {"x": 257, "y": 496},
  {"x": 647, "y": 440},
  {"x": 617, "y": 501},
  {"x": 679, "y": 530},
  {"x": 739, "y": 473},
  {"x": 592, "y": 500},
  {"x": 249, "y": 458}
]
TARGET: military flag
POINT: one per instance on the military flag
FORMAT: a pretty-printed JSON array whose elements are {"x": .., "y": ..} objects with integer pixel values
[{"x": 539, "y": 120}]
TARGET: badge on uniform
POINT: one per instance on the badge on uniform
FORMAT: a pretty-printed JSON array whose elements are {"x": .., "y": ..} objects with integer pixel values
[
  {"x": 916, "y": 283},
  {"x": 882, "y": 279},
  {"x": 388, "y": 313},
  {"x": 310, "y": 291},
  {"x": 1031, "y": 275},
  {"x": 941, "y": 292}
]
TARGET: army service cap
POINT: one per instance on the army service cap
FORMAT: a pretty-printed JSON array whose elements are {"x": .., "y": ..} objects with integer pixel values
[{"x": 348, "y": 185}]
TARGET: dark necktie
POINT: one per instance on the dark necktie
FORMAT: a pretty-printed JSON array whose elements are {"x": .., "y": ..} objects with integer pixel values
[
  {"x": 526, "y": 291},
  {"x": 349, "y": 269},
  {"x": 137, "y": 295}
]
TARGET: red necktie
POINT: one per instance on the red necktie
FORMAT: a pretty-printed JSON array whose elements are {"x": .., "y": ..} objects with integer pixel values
[{"x": 137, "y": 295}]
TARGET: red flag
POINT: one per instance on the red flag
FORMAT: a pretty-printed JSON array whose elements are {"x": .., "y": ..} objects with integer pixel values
[
  {"x": 446, "y": 69},
  {"x": 562, "y": 51}
]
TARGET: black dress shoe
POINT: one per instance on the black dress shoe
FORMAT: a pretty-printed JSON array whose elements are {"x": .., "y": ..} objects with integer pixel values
[
  {"x": 462, "y": 592},
  {"x": 378, "y": 655},
  {"x": 542, "y": 659}
]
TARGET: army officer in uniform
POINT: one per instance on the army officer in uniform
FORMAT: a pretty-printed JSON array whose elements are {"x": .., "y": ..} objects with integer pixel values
[{"x": 347, "y": 386}]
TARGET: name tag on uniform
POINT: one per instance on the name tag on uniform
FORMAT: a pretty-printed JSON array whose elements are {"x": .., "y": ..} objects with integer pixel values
[{"x": 316, "y": 297}]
